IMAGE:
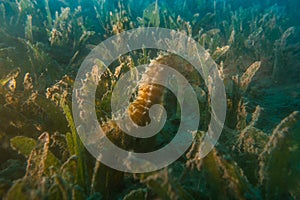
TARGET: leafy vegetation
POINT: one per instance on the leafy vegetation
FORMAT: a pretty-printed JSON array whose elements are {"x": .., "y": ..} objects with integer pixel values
[{"x": 257, "y": 50}]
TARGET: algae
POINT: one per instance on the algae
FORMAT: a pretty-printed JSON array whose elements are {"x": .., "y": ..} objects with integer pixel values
[{"x": 256, "y": 47}]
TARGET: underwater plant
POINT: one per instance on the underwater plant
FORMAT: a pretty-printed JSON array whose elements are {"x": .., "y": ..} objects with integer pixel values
[{"x": 255, "y": 45}]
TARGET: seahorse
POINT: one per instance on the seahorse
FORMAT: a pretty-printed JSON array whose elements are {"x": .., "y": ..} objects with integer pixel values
[{"x": 149, "y": 94}]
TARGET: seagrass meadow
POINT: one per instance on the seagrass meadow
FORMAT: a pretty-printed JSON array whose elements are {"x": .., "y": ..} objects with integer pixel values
[{"x": 256, "y": 47}]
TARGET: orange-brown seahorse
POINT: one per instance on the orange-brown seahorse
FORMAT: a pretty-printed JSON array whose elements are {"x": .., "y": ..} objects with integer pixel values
[{"x": 148, "y": 95}]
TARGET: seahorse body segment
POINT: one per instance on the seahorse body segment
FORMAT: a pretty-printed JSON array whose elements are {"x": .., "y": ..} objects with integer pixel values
[{"x": 150, "y": 94}]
